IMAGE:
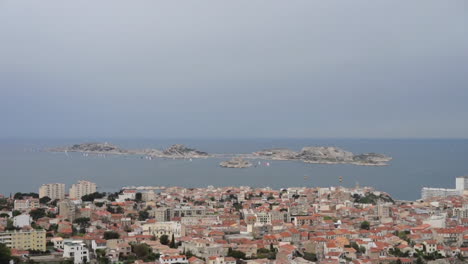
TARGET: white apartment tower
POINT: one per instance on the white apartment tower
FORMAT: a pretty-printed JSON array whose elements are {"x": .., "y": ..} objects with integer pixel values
[
  {"x": 461, "y": 183},
  {"x": 53, "y": 191},
  {"x": 82, "y": 188}
]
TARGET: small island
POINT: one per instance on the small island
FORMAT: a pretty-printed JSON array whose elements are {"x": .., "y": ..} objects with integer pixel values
[
  {"x": 235, "y": 162},
  {"x": 177, "y": 151},
  {"x": 324, "y": 155},
  {"x": 312, "y": 154}
]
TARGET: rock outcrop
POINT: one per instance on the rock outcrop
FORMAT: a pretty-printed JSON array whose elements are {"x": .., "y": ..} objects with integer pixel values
[{"x": 235, "y": 163}]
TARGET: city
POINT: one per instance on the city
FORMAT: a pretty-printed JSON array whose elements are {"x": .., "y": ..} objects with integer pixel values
[
  {"x": 219, "y": 225},
  {"x": 233, "y": 132}
]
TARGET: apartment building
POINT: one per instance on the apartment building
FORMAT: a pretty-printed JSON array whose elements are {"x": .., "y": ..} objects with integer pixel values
[
  {"x": 26, "y": 204},
  {"x": 82, "y": 188},
  {"x": 53, "y": 191},
  {"x": 24, "y": 240},
  {"x": 76, "y": 250}
]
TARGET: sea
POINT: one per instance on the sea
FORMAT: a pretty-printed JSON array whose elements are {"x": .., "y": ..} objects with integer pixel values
[{"x": 416, "y": 163}]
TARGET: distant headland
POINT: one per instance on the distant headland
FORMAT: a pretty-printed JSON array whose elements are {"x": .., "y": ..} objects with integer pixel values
[{"x": 314, "y": 154}]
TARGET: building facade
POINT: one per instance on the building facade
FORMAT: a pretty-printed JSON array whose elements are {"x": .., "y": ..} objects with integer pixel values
[
  {"x": 82, "y": 188},
  {"x": 24, "y": 240},
  {"x": 438, "y": 192},
  {"x": 26, "y": 204},
  {"x": 76, "y": 250},
  {"x": 53, "y": 191}
]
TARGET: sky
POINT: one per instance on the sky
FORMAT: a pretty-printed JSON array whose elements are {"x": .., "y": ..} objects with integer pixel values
[{"x": 234, "y": 69}]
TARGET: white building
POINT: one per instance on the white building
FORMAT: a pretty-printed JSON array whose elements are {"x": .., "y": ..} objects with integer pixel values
[
  {"x": 53, "y": 191},
  {"x": 436, "y": 221},
  {"x": 76, "y": 250},
  {"x": 164, "y": 228},
  {"x": 82, "y": 188},
  {"x": 461, "y": 183},
  {"x": 438, "y": 192},
  {"x": 126, "y": 195},
  {"x": 173, "y": 259},
  {"x": 22, "y": 220}
]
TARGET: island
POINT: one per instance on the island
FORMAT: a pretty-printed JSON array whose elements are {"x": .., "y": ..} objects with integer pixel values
[
  {"x": 324, "y": 155},
  {"x": 93, "y": 148},
  {"x": 311, "y": 154},
  {"x": 236, "y": 162},
  {"x": 177, "y": 151}
]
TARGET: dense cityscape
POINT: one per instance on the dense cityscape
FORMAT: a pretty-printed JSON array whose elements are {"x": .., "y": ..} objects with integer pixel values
[{"x": 227, "y": 225}]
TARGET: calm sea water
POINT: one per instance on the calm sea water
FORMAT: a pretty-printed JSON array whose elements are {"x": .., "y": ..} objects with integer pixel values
[{"x": 416, "y": 163}]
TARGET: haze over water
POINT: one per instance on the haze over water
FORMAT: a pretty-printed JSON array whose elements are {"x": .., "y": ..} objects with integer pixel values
[{"x": 416, "y": 163}]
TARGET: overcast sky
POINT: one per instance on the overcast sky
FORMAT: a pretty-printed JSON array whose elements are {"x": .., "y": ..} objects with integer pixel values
[{"x": 253, "y": 68}]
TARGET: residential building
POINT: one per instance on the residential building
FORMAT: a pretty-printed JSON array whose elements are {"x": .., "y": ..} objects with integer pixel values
[
  {"x": 24, "y": 240},
  {"x": 22, "y": 220},
  {"x": 67, "y": 209},
  {"x": 82, "y": 188},
  {"x": 53, "y": 191},
  {"x": 26, "y": 204},
  {"x": 180, "y": 259},
  {"x": 438, "y": 192},
  {"x": 76, "y": 250},
  {"x": 158, "y": 229}
]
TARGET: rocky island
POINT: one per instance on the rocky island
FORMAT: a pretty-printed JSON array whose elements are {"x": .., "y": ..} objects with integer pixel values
[
  {"x": 177, "y": 151},
  {"x": 235, "y": 162},
  {"x": 316, "y": 154},
  {"x": 324, "y": 155},
  {"x": 95, "y": 148}
]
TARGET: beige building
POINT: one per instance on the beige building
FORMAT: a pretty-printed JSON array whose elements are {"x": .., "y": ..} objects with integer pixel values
[
  {"x": 67, "y": 209},
  {"x": 24, "y": 240},
  {"x": 26, "y": 204},
  {"x": 53, "y": 191},
  {"x": 164, "y": 228},
  {"x": 82, "y": 188}
]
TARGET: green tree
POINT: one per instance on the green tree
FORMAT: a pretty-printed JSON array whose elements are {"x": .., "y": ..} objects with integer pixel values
[
  {"x": 92, "y": 196},
  {"x": 44, "y": 200},
  {"x": 143, "y": 215},
  {"x": 10, "y": 225},
  {"x": 164, "y": 239},
  {"x": 236, "y": 254},
  {"x": 141, "y": 250},
  {"x": 37, "y": 213},
  {"x": 419, "y": 260},
  {"x": 19, "y": 195},
  {"x": 111, "y": 235},
  {"x": 3, "y": 215},
  {"x": 5, "y": 254},
  {"x": 310, "y": 256},
  {"x": 172, "y": 244},
  {"x": 138, "y": 196},
  {"x": 365, "y": 225},
  {"x": 101, "y": 256},
  {"x": 82, "y": 221}
]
